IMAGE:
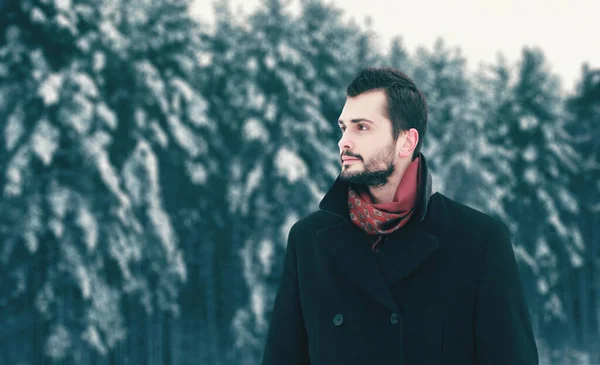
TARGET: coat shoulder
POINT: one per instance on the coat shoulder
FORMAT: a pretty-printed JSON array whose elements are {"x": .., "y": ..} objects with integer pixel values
[
  {"x": 316, "y": 221},
  {"x": 463, "y": 218},
  {"x": 470, "y": 230}
]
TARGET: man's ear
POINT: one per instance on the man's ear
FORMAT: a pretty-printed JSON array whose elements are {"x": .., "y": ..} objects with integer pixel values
[{"x": 408, "y": 141}]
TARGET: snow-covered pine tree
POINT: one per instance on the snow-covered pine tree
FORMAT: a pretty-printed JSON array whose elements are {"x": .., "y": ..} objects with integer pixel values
[
  {"x": 534, "y": 161},
  {"x": 584, "y": 125},
  {"x": 366, "y": 45},
  {"x": 170, "y": 112},
  {"x": 495, "y": 96},
  {"x": 225, "y": 82},
  {"x": 59, "y": 185},
  {"x": 92, "y": 91},
  {"x": 398, "y": 57},
  {"x": 335, "y": 54},
  {"x": 216, "y": 288},
  {"x": 450, "y": 143},
  {"x": 281, "y": 156},
  {"x": 491, "y": 90}
]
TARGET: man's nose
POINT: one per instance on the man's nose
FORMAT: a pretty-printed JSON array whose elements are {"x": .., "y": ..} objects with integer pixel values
[{"x": 345, "y": 143}]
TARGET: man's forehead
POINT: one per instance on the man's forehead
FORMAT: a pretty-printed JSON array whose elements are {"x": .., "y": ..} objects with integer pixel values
[{"x": 370, "y": 106}]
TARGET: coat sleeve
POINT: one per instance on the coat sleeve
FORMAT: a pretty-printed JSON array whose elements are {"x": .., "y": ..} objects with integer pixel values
[
  {"x": 503, "y": 333},
  {"x": 286, "y": 341}
]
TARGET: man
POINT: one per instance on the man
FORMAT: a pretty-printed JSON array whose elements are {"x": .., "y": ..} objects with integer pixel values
[{"x": 387, "y": 272}]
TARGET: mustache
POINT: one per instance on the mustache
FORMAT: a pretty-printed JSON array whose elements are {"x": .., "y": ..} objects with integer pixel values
[{"x": 350, "y": 154}]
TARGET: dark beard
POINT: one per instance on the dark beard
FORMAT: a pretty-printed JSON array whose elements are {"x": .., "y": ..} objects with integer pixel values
[{"x": 369, "y": 178}]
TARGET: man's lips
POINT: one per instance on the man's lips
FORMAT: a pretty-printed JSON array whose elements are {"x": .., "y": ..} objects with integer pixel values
[{"x": 349, "y": 159}]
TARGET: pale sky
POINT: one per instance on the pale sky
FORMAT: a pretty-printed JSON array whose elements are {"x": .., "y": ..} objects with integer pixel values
[{"x": 563, "y": 29}]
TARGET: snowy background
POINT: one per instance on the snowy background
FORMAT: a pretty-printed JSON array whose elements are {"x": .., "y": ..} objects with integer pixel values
[{"x": 154, "y": 154}]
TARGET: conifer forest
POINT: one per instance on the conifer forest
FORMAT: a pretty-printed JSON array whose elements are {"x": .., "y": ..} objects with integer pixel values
[{"x": 152, "y": 164}]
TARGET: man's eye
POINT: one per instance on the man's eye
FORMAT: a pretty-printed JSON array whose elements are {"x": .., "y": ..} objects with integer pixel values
[{"x": 360, "y": 126}]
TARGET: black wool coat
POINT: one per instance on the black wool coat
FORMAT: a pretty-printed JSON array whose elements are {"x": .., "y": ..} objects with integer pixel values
[{"x": 443, "y": 289}]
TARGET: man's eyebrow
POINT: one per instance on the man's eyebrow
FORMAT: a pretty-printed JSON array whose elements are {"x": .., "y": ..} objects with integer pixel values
[{"x": 358, "y": 120}]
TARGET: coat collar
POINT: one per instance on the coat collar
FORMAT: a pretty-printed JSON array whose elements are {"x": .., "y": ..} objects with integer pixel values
[{"x": 400, "y": 254}]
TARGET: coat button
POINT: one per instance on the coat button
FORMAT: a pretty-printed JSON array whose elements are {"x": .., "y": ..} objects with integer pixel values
[
  {"x": 394, "y": 318},
  {"x": 338, "y": 319}
]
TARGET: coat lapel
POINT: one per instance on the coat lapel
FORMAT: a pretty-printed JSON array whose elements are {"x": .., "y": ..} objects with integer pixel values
[
  {"x": 401, "y": 254},
  {"x": 350, "y": 248},
  {"x": 404, "y": 251}
]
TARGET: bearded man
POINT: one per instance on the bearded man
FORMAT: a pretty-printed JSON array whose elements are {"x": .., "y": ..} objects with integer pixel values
[{"x": 388, "y": 272}]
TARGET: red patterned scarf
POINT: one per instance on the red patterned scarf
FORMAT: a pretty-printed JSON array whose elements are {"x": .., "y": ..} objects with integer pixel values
[{"x": 385, "y": 218}]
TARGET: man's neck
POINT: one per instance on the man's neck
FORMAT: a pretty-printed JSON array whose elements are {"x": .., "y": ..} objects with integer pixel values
[{"x": 383, "y": 194}]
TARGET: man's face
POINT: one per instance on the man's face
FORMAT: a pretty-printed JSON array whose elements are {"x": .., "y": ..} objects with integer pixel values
[{"x": 367, "y": 149}]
